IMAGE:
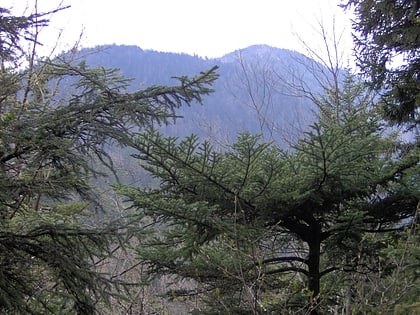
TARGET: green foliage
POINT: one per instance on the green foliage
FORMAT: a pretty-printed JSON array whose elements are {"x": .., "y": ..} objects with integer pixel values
[
  {"x": 387, "y": 283},
  {"x": 387, "y": 45},
  {"x": 53, "y": 136},
  {"x": 245, "y": 222},
  {"x": 15, "y": 28}
]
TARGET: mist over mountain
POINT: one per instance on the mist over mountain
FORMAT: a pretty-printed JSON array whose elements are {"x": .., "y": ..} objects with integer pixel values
[{"x": 256, "y": 90}]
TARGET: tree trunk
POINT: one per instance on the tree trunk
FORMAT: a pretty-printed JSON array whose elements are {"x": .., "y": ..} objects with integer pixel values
[{"x": 314, "y": 270}]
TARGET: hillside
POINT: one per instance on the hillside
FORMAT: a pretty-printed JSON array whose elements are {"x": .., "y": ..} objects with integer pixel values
[{"x": 252, "y": 93}]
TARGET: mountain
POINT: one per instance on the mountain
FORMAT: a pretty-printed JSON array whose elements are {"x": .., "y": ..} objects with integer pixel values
[{"x": 254, "y": 91}]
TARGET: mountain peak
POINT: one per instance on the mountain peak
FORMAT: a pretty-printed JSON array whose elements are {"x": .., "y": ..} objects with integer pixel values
[{"x": 257, "y": 51}]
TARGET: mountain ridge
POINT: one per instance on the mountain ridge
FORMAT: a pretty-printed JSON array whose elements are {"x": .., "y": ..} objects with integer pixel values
[{"x": 249, "y": 94}]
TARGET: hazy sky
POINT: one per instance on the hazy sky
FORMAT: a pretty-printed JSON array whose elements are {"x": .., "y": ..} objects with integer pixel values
[{"x": 209, "y": 28}]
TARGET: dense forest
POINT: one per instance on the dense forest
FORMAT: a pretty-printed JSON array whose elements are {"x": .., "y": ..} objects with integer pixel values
[{"x": 262, "y": 182}]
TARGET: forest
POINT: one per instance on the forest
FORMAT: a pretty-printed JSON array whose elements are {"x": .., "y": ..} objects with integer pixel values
[{"x": 137, "y": 182}]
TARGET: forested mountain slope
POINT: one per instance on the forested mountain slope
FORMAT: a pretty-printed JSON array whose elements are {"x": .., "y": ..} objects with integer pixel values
[{"x": 256, "y": 91}]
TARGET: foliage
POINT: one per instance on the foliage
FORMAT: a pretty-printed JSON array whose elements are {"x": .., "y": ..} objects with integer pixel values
[
  {"x": 395, "y": 286},
  {"x": 257, "y": 228},
  {"x": 52, "y": 138},
  {"x": 387, "y": 47},
  {"x": 13, "y": 28}
]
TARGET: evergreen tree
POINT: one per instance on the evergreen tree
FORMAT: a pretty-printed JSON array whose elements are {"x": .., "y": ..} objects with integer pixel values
[
  {"x": 387, "y": 37},
  {"x": 259, "y": 229},
  {"x": 52, "y": 137}
]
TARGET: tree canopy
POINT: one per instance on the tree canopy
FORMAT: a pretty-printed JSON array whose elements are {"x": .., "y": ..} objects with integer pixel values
[
  {"x": 244, "y": 221},
  {"x": 387, "y": 37},
  {"x": 57, "y": 120},
  {"x": 328, "y": 224}
]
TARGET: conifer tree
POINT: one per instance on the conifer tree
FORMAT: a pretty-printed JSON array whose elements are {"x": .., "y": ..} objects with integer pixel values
[
  {"x": 57, "y": 120},
  {"x": 387, "y": 34},
  {"x": 260, "y": 229}
]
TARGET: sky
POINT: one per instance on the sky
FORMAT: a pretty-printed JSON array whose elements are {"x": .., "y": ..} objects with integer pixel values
[{"x": 207, "y": 28}]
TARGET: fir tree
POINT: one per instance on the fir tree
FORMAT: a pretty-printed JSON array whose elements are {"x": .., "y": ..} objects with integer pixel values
[
  {"x": 387, "y": 37},
  {"x": 258, "y": 228},
  {"x": 52, "y": 138}
]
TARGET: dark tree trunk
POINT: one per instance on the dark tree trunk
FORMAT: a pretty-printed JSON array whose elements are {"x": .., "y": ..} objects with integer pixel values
[{"x": 314, "y": 275}]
